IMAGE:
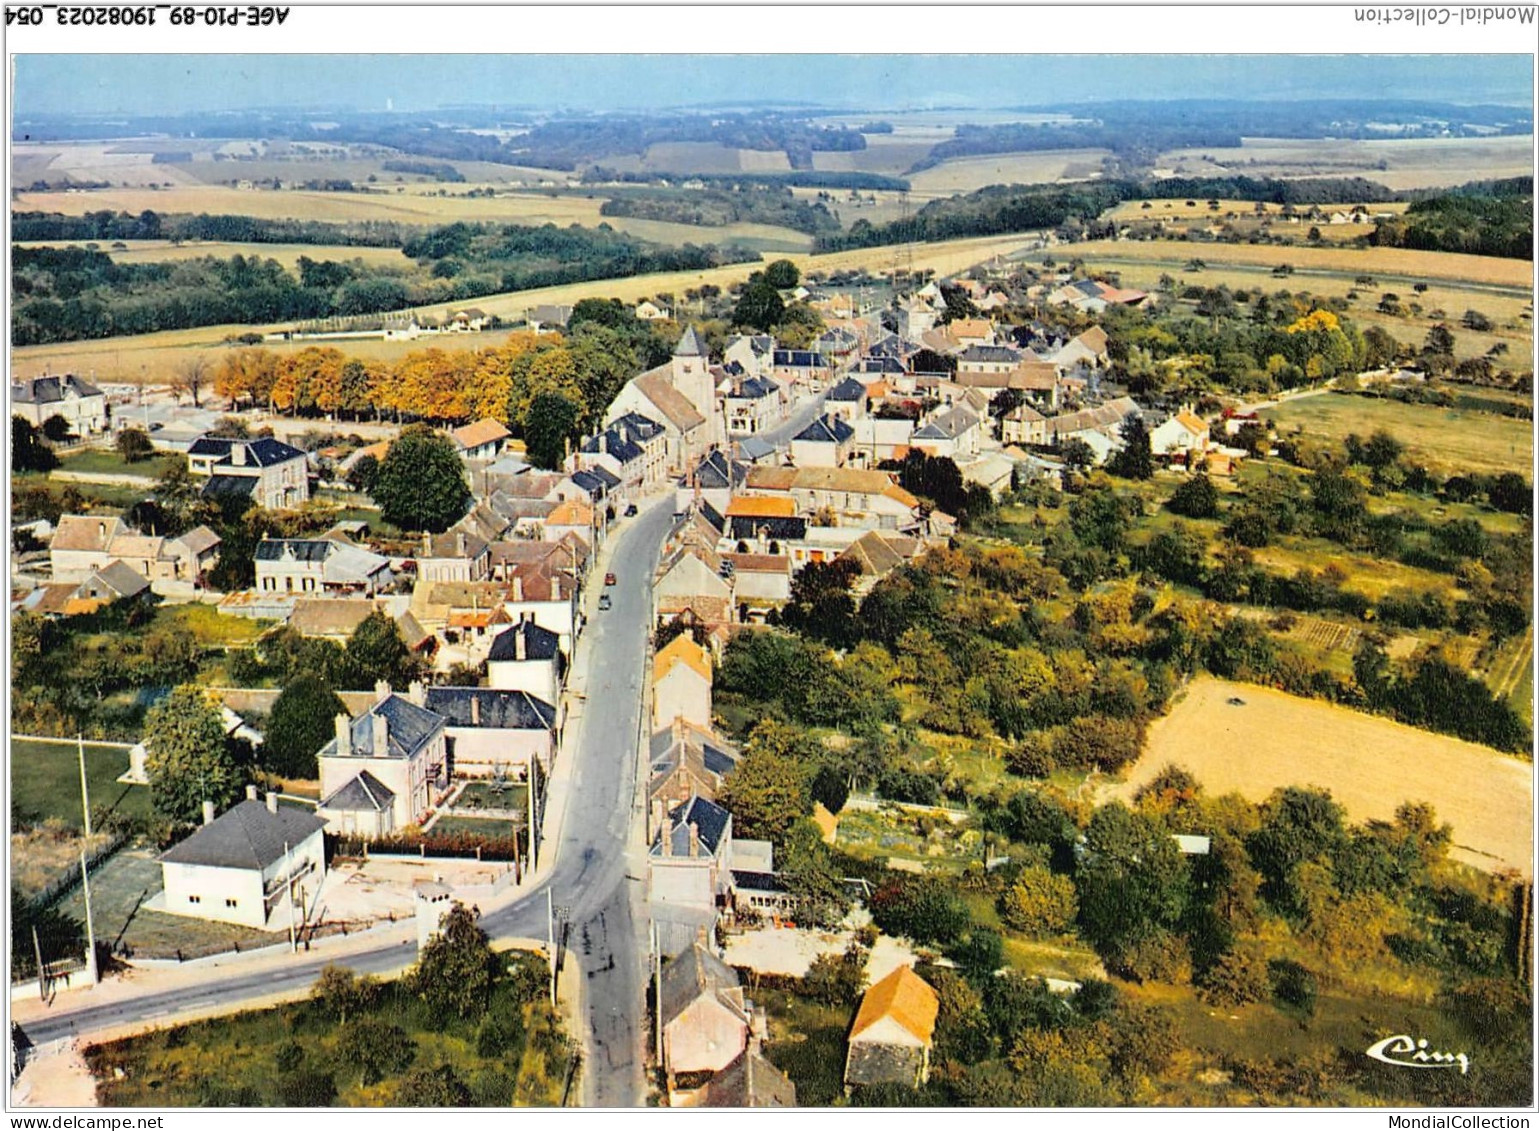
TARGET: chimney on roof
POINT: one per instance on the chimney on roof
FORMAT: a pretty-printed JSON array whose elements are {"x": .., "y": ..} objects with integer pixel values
[
  {"x": 667, "y": 839},
  {"x": 460, "y": 543},
  {"x": 518, "y": 587},
  {"x": 272, "y": 801},
  {"x": 381, "y": 734},
  {"x": 694, "y": 840},
  {"x": 208, "y": 812},
  {"x": 238, "y": 455},
  {"x": 659, "y": 813},
  {"x": 520, "y": 648},
  {"x": 344, "y": 727},
  {"x": 101, "y": 530},
  {"x": 475, "y": 710},
  {"x": 251, "y": 793},
  {"x": 381, "y": 690},
  {"x": 417, "y": 693},
  {"x": 427, "y": 544}
]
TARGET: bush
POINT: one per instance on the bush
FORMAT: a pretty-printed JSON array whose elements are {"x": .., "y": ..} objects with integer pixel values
[
  {"x": 306, "y": 1087},
  {"x": 1293, "y": 984},
  {"x": 1238, "y": 977},
  {"x": 1039, "y": 903},
  {"x": 1195, "y": 498},
  {"x": 134, "y": 445},
  {"x": 924, "y": 908},
  {"x": 1154, "y": 955}
]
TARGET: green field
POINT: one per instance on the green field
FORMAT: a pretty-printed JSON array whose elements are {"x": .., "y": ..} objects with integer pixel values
[
  {"x": 99, "y": 461},
  {"x": 45, "y": 782},
  {"x": 1448, "y": 439}
]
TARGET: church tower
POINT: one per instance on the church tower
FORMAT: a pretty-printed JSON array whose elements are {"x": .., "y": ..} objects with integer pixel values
[{"x": 692, "y": 377}]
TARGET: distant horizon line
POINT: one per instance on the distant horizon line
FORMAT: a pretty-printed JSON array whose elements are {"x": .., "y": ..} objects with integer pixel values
[{"x": 766, "y": 104}]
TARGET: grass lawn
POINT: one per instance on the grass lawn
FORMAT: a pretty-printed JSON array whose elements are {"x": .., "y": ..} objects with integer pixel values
[
  {"x": 806, "y": 1042},
  {"x": 1450, "y": 439},
  {"x": 1373, "y": 577},
  {"x": 190, "y": 1065},
  {"x": 208, "y": 625},
  {"x": 480, "y": 795},
  {"x": 45, "y": 782},
  {"x": 92, "y": 496},
  {"x": 476, "y": 826},
  {"x": 109, "y": 462}
]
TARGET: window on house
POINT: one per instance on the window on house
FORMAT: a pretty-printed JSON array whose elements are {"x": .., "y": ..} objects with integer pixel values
[
  {"x": 229, "y": 903},
  {"x": 194, "y": 899}
]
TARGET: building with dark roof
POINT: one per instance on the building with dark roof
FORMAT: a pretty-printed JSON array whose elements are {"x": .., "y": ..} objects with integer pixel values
[
  {"x": 403, "y": 746},
  {"x": 689, "y": 870},
  {"x": 279, "y": 473},
  {"x": 81, "y": 404},
  {"x": 526, "y": 657},
  {"x": 491, "y": 730},
  {"x": 825, "y": 442},
  {"x": 703, "y": 1014},
  {"x": 241, "y": 866},
  {"x": 319, "y": 566},
  {"x": 749, "y": 1081}
]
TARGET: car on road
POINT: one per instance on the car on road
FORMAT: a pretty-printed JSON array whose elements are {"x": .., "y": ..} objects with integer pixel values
[
  {"x": 609, "y": 579},
  {"x": 632, "y": 510},
  {"x": 604, "y": 602}
]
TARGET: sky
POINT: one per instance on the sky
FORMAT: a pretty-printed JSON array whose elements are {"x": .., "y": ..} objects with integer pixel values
[{"x": 173, "y": 84}]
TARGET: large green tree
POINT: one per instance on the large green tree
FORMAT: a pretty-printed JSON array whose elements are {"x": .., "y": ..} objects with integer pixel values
[
  {"x": 300, "y": 724},
  {"x": 28, "y": 452},
  {"x": 377, "y": 651},
  {"x": 188, "y": 759},
  {"x": 758, "y": 307},
  {"x": 552, "y": 420},
  {"x": 421, "y": 483},
  {"x": 458, "y": 969},
  {"x": 782, "y": 274},
  {"x": 767, "y": 794}
]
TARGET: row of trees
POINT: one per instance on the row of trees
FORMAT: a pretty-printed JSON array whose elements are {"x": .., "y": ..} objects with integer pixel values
[{"x": 586, "y": 368}]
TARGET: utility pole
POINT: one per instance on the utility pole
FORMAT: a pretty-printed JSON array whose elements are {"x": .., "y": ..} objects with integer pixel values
[
  {"x": 85, "y": 883},
  {"x": 550, "y": 929},
  {"x": 85, "y": 796},
  {"x": 534, "y": 766},
  {"x": 657, "y": 991},
  {"x": 288, "y": 879},
  {"x": 42, "y": 979}
]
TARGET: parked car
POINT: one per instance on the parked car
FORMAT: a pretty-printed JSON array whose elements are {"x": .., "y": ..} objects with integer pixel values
[
  {"x": 604, "y": 602},
  {"x": 609, "y": 579},
  {"x": 632, "y": 510}
]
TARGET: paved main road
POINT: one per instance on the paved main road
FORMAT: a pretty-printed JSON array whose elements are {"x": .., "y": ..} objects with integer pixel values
[{"x": 590, "y": 878}]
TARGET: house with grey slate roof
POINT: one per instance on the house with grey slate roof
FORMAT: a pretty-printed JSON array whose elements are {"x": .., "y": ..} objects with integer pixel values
[
  {"x": 403, "y": 746},
  {"x": 243, "y": 865},
  {"x": 271, "y": 473},
  {"x": 489, "y": 730},
  {"x": 82, "y": 405}
]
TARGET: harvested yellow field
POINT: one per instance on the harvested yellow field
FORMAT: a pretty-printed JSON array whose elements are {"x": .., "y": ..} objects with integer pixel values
[
  {"x": 414, "y": 204},
  {"x": 1406, "y": 162},
  {"x": 965, "y": 174},
  {"x": 285, "y": 204},
  {"x": 288, "y": 254},
  {"x": 156, "y": 355},
  {"x": 1486, "y": 269},
  {"x": 1370, "y": 765}
]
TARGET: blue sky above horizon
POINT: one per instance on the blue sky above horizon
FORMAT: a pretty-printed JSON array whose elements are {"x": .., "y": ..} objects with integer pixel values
[{"x": 174, "y": 84}]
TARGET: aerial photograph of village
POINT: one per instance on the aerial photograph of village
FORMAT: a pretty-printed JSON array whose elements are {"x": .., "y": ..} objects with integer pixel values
[{"x": 633, "y": 581}]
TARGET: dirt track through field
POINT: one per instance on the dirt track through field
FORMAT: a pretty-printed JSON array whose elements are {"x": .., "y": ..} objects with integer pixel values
[{"x": 1369, "y": 764}]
